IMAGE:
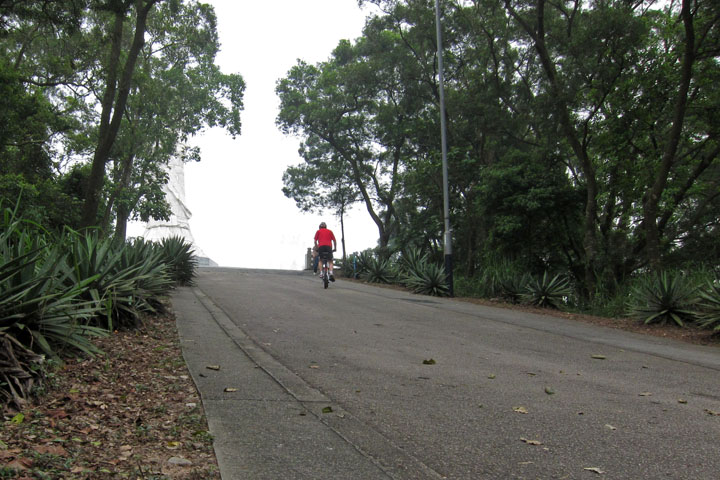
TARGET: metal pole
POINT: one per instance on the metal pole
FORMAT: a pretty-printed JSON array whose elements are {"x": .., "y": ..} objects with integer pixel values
[{"x": 443, "y": 141}]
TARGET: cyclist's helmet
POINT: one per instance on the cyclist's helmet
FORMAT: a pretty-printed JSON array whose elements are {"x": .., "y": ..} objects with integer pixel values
[{"x": 322, "y": 225}]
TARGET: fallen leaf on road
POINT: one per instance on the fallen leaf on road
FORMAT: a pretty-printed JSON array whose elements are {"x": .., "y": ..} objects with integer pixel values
[
  {"x": 682, "y": 400},
  {"x": 429, "y": 362},
  {"x": 594, "y": 469},
  {"x": 714, "y": 414},
  {"x": 520, "y": 410},
  {"x": 598, "y": 357},
  {"x": 549, "y": 391},
  {"x": 607, "y": 425},
  {"x": 327, "y": 410},
  {"x": 213, "y": 367},
  {"x": 314, "y": 366},
  {"x": 530, "y": 442},
  {"x": 645, "y": 394},
  {"x": 230, "y": 389},
  {"x": 491, "y": 376}
]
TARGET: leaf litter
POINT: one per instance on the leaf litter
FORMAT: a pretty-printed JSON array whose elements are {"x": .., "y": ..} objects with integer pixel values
[{"x": 121, "y": 415}]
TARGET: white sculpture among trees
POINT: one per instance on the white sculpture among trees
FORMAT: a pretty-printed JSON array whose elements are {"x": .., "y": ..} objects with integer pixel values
[{"x": 178, "y": 225}]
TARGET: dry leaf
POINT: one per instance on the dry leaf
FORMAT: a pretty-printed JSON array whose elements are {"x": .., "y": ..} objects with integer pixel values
[
  {"x": 429, "y": 362},
  {"x": 314, "y": 366},
  {"x": 682, "y": 400},
  {"x": 530, "y": 442},
  {"x": 51, "y": 449},
  {"x": 598, "y": 357},
  {"x": 213, "y": 367},
  {"x": 607, "y": 425},
  {"x": 714, "y": 414},
  {"x": 230, "y": 389},
  {"x": 520, "y": 410},
  {"x": 491, "y": 376},
  {"x": 549, "y": 391},
  {"x": 594, "y": 469},
  {"x": 645, "y": 394}
]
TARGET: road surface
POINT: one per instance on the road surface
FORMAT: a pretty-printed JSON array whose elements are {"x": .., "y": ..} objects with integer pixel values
[{"x": 358, "y": 381}]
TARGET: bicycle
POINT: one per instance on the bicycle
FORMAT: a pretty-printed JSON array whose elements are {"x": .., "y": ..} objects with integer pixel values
[{"x": 325, "y": 274}]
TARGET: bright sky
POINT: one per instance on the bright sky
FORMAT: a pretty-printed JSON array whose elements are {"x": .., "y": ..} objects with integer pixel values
[{"x": 240, "y": 217}]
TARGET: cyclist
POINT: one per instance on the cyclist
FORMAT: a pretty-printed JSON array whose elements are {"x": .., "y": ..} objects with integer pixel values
[{"x": 326, "y": 243}]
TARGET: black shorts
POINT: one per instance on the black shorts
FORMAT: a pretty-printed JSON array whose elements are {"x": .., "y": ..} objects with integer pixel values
[{"x": 325, "y": 252}]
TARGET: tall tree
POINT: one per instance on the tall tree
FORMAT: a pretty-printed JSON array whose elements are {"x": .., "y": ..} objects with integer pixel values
[{"x": 119, "y": 73}]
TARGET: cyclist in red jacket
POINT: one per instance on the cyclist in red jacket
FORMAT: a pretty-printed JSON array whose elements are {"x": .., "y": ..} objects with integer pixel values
[{"x": 326, "y": 243}]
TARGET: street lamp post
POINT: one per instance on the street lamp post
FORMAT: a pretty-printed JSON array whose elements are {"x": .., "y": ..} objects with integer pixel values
[{"x": 443, "y": 141}]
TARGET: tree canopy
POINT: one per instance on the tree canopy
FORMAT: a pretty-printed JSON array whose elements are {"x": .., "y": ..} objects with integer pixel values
[
  {"x": 97, "y": 96},
  {"x": 583, "y": 136}
]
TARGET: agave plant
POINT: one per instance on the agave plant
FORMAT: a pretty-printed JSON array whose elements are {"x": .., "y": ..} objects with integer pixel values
[
  {"x": 547, "y": 292},
  {"x": 412, "y": 262},
  {"x": 512, "y": 286},
  {"x": 428, "y": 279},
  {"x": 379, "y": 270},
  {"x": 180, "y": 258},
  {"x": 709, "y": 315},
  {"x": 666, "y": 298}
]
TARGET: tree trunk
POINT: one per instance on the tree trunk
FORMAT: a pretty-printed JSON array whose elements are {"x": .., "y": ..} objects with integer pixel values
[
  {"x": 652, "y": 201},
  {"x": 568, "y": 130},
  {"x": 113, "y": 105}
]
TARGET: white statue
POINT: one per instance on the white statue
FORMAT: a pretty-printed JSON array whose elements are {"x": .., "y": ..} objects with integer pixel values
[{"x": 179, "y": 223}]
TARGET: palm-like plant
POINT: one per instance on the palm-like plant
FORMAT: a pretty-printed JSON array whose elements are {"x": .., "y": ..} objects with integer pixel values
[
  {"x": 547, "y": 292},
  {"x": 709, "y": 315},
  {"x": 666, "y": 298}
]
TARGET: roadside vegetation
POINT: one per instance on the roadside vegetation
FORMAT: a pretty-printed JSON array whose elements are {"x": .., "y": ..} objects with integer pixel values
[{"x": 673, "y": 297}]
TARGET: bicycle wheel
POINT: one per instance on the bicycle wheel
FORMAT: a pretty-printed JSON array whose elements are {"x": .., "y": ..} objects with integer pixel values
[{"x": 326, "y": 280}]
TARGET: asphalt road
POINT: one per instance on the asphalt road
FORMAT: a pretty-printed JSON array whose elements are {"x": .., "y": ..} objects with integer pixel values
[{"x": 364, "y": 382}]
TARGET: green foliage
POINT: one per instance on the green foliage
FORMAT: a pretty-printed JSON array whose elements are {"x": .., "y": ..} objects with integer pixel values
[
  {"x": 379, "y": 270},
  {"x": 664, "y": 298},
  {"x": 180, "y": 259},
  {"x": 427, "y": 279},
  {"x": 37, "y": 305},
  {"x": 547, "y": 292},
  {"x": 709, "y": 306},
  {"x": 412, "y": 262},
  {"x": 513, "y": 285}
]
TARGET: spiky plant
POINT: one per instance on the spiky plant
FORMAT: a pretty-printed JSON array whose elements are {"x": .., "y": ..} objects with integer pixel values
[
  {"x": 512, "y": 286},
  {"x": 709, "y": 307},
  {"x": 547, "y": 292},
  {"x": 428, "y": 279},
  {"x": 412, "y": 262},
  {"x": 180, "y": 258},
  {"x": 665, "y": 298},
  {"x": 379, "y": 270}
]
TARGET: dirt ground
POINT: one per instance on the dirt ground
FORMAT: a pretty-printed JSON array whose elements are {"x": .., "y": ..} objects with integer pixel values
[{"x": 135, "y": 413}]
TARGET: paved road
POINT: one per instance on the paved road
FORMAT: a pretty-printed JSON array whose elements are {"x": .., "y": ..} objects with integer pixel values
[{"x": 334, "y": 384}]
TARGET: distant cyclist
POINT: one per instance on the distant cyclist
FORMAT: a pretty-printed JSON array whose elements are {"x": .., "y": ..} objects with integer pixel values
[{"x": 326, "y": 243}]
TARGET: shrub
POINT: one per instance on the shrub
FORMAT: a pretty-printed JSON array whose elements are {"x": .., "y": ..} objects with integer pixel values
[
  {"x": 378, "y": 270},
  {"x": 709, "y": 303},
  {"x": 513, "y": 285},
  {"x": 663, "y": 298},
  {"x": 428, "y": 279},
  {"x": 547, "y": 292},
  {"x": 180, "y": 258}
]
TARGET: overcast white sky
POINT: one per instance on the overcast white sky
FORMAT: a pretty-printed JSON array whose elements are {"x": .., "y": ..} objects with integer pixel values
[{"x": 240, "y": 217}]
